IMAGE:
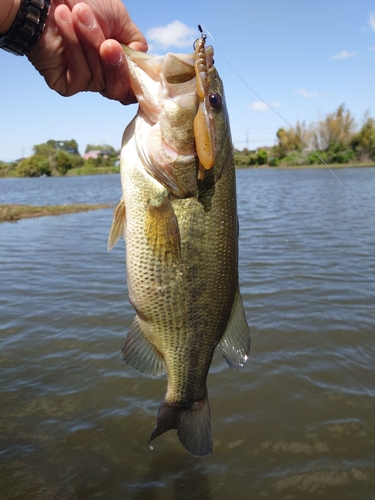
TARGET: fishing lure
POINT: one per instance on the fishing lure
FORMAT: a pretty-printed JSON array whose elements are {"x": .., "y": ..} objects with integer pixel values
[{"x": 204, "y": 123}]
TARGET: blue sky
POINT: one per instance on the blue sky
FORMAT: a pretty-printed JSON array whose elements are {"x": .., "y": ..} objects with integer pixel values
[{"x": 305, "y": 58}]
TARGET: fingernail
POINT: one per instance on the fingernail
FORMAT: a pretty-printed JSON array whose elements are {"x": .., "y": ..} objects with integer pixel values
[
  {"x": 65, "y": 15},
  {"x": 113, "y": 55},
  {"x": 86, "y": 17}
]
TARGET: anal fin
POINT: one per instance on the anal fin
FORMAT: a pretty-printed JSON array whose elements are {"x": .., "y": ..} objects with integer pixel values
[
  {"x": 118, "y": 225},
  {"x": 235, "y": 343},
  {"x": 140, "y": 353},
  {"x": 162, "y": 231}
]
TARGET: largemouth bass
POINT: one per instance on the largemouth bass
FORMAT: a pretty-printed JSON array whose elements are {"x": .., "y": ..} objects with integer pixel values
[{"x": 178, "y": 217}]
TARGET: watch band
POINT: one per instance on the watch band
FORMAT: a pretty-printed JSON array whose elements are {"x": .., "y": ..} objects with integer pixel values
[{"x": 27, "y": 27}]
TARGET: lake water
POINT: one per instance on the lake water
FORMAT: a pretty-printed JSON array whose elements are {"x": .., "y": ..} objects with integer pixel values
[{"x": 297, "y": 422}]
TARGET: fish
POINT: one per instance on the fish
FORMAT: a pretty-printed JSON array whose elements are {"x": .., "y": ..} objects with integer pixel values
[{"x": 178, "y": 216}]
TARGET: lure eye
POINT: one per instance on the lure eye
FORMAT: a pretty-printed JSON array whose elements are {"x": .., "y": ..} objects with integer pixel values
[{"x": 215, "y": 101}]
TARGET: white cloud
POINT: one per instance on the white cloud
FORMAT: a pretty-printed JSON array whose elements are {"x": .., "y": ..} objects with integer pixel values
[
  {"x": 262, "y": 106},
  {"x": 371, "y": 21},
  {"x": 372, "y": 48},
  {"x": 344, "y": 54},
  {"x": 305, "y": 93},
  {"x": 175, "y": 34}
]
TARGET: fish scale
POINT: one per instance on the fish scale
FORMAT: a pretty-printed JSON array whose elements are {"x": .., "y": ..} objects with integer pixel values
[{"x": 179, "y": 220}]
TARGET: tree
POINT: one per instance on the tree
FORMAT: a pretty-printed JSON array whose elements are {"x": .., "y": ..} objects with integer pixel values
[
  {"x": 70, "y": 147},
  {"x": 5, "y": 168},
  {"x": 292, "y": 139},
  {"x": 363, "y": 142},
  {"x": 336, "y": 129},
  {"x": 63, "y": 162},
  {"x": 51, "y": 146},
  {"x": 45, "y": 149},
  {"x": 262, "y": 157},
  {"x": 100, "y": 147},
  {"x": 34, "y": 166},
  {"x": 51, "y": 157}
]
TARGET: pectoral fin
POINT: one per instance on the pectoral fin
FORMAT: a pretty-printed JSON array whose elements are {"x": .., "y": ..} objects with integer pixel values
[
  {"x": 162, "y": 231},
  {"x": 235, "y": 343},
  {"x": 118, "y": 225},
  {"x": 139, "y": 353}
]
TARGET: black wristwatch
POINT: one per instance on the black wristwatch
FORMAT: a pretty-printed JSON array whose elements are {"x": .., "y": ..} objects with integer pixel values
[{"x": 27, "y": 27}]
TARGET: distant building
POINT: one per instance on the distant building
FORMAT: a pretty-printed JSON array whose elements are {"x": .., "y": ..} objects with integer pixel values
[{"x": 95, "y": 153}]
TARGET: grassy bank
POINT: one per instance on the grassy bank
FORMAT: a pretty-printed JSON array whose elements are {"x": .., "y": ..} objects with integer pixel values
[
  {"x": 87, "y": 170},
  {"x": 12, "y": 212},
  {"x": 10, "y": 172}
]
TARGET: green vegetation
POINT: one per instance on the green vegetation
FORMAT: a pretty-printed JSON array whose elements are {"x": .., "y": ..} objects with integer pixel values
[
  {"x": 56, "y": 158},
  {"x": 334, "y": 138},
  {"x": 246, "y": 158},
  {"x": 99, "y": 147}
]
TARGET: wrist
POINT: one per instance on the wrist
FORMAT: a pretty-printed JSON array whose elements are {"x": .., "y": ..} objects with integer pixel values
[
  {"x": 8, "y": 14},
  {"x": 27, "y": 26}
]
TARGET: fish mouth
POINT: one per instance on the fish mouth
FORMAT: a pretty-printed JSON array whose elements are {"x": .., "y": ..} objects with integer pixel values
[
  {"x": 176, "y": 120},
  {"x": 165, "y": 88},
  {"x": 158, "y": 82},
  {"x": 175, "y": 68}
]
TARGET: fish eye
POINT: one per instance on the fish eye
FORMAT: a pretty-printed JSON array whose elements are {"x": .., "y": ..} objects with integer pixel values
[{"x": 215, "y": 100}]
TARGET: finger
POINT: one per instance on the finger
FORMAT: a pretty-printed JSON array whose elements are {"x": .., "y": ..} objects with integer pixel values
[
  {"x": 76, "y": 74},
  {"x": 140, "y": 46},
  {"x": 116, "y": 73},
  {"x": 134, "y": 39},
  {"x": 126, "y": 32},
  {"x": 91, "y": 37}
]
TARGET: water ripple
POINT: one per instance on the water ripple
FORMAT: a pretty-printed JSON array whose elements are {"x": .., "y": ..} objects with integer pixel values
[{"x": 295, "y": 422}]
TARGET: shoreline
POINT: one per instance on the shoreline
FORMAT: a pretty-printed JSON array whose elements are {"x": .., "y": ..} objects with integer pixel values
[
  {"x": 111, "y": 170},
  {"x": 313, "y": 166},
  {"x": 14, "y": 212}
]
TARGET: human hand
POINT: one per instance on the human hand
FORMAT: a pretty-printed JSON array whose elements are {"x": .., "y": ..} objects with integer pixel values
[{"x": 80, "y": 50}]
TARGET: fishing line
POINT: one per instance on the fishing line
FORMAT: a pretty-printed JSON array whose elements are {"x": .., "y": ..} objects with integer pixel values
[{"x": 294, "y": 130}]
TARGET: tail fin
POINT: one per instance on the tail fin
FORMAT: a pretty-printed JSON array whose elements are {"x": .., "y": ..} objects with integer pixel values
[{"x": 192, "y": 423}]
